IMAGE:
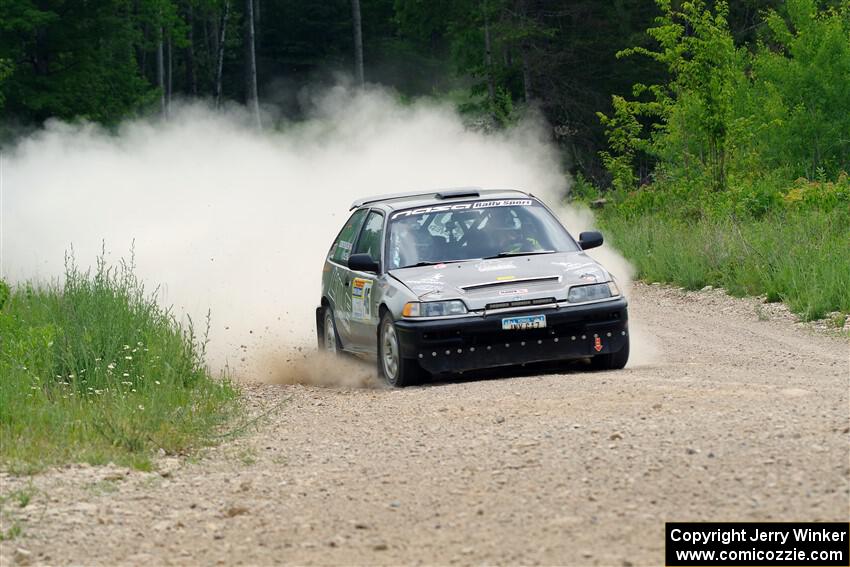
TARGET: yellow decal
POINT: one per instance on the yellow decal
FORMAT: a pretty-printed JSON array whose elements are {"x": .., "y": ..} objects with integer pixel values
[{"x": 361, "y": 299}]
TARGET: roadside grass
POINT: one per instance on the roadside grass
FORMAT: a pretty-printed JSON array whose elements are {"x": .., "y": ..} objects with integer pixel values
[
  {"x": 10, "y": 528},
  {"x": 799, "y": 257},
  {"x": 93, "y": 370}
]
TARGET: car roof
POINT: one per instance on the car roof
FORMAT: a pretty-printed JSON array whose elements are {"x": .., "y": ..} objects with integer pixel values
[{"x": 413, "y": 199}]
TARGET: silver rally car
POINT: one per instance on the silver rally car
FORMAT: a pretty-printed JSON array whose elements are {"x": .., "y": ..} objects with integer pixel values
[{"x": 462, "y": 279}]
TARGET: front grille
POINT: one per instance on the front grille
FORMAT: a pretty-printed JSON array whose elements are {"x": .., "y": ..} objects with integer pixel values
[
  {"x": 520, "y": 303},
  {"x": 493, "y": 333}
]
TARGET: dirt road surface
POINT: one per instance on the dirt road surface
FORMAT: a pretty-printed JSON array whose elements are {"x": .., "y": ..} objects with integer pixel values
[{"x": 742, "y": 416}]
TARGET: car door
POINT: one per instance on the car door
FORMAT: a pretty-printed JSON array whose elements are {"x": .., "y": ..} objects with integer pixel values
[
  {"x": 364, "y": 309},
  {"x": 338, "y": 288}
]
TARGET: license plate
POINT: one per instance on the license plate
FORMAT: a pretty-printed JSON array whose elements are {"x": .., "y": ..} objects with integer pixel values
[{"x": 531, "y": 322}]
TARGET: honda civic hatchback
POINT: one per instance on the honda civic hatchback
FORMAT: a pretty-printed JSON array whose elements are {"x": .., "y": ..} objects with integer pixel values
[{"x": 455, "y": 280}]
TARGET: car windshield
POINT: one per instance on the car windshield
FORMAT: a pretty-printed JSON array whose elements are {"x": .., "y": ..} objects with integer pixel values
[{"x": 467, "y": 231}]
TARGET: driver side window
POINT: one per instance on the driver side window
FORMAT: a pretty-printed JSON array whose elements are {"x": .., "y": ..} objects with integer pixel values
[
  {"x": 341, "y": 249},
  {"x": 371, "y": 236}
]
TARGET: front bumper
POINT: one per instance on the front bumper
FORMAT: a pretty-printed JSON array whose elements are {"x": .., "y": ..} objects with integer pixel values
[{"x": 458, "y": 345}]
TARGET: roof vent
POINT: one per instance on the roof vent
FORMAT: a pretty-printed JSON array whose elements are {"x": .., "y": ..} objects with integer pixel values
[{"x": 458, "y": 193}]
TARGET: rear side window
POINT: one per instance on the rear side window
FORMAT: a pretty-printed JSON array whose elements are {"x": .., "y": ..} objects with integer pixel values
[
  {"x": 341, "y": 249},
  {"x": 370, "y": 239}
]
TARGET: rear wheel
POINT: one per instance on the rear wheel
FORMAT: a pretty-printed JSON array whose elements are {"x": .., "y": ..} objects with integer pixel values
[
  {"x": 397, "y": 371},
  {"x": 611, "y": 361},
  {"x": 330, "y": 340}
]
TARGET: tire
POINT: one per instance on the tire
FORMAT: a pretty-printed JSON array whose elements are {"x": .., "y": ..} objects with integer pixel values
[
  {"x": 328, "y": 337},
  {"x": 611, "y": 361},
  {"x": 397, "y": 371}
]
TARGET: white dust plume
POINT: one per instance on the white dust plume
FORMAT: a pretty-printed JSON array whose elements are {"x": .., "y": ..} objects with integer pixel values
[{"x": 238, "y": 221}]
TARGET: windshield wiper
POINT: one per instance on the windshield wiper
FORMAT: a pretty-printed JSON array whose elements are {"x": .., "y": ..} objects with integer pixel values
[
  {"x": 507, "y": 254},
  {"x": 429, "y": 263}
]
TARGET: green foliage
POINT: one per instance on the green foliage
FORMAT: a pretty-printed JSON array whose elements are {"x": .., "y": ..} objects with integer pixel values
[
  {"x": 58, "y": 74},
  {"x": 798, "y": 102},
  {"x": 95, "y": 370},
  {"x": 5, "y": 72},
  {"x": 4, "y": 293},
  {"x": 729, "y": 114},
  {"x": 503, "y": 109},
  {"x": 623, "y": 130},
  {"x": 689, "y": 115}
]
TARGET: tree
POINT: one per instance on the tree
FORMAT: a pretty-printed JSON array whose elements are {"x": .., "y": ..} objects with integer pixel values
[
  {"x": 160, "y": 75},
  {"x": 5, "y": 72},
  {"x": 221, "y": 42},
  {"x": 358, "y": 42},
  {"x": 798, "y": 101},
  {"x": 690, "y": 114},
  {"x": 251, "y": 94},
  {"x": 70, "y": 59}
]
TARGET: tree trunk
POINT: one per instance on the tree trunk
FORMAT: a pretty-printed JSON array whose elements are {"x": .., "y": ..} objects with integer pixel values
[
  {"x": 168, "y": 75},
  {"x": 160, "y": 73},
  {"x": 191, "y": 80},
  {"x": 219, "y": 65},
  {"x": 358, "y": 42},
  {"x": 488, "y": 55},
  {"x": 526, "y": 74},
  {"x": 251, "y": 95},
  {"x": 525, "y": 49},
  {"x": 257, "y": 25}
]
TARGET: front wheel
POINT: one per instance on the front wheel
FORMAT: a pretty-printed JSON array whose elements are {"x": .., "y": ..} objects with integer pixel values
[
  {"x": 611, "y": 361},
  {"x": 397, "y": 371}
]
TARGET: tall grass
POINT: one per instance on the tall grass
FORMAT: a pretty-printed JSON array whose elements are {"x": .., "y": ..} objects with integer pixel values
[
  {"x": 800, "y": 257},
  {"x": 93, "y": 369}
]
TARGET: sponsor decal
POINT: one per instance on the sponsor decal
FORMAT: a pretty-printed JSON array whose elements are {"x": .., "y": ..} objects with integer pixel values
[
  {"x": 521, "y": 291},
  {"x": 361, "y": 295},
  {"x": 571, "y": 265},
  {"x": 505, "y": 278},
  {"x": 464, "y": 207},
  {"x": 344, "y": 245},
  {"x": 440, "y": 266},
  {"x": 431, "y": 279},
  {"x": 427, "y": 287},
  {"x": 494, "y": 266},
  {"x": 597, "y": 344},
  {"x": 593, "y": 278}
]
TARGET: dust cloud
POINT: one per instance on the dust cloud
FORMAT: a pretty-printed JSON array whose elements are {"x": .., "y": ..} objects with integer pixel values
[{"x": 239, "y": 222}]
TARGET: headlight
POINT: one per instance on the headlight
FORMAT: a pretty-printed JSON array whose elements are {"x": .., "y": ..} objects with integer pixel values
[
  {"x": 582, "y": 293},
  {"x": 434, "y": 308}
]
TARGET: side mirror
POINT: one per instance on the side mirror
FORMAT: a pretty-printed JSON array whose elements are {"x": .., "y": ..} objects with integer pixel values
[
  {"x": 588, "y": 240},
  {"x": 363, "y": 263}
]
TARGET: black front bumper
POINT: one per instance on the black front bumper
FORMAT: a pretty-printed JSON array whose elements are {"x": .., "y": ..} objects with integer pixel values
[{"x": 458, "y": 345}]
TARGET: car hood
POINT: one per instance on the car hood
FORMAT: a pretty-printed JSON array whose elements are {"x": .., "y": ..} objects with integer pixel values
[{"x": 482, "y": 282}]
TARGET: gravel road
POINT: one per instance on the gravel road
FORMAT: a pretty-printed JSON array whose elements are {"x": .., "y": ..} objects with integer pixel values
[{"x": 743, "y": 415}]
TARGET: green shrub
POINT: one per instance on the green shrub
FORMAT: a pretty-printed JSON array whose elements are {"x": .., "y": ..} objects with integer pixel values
[{"x": 95, "y": 370}]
